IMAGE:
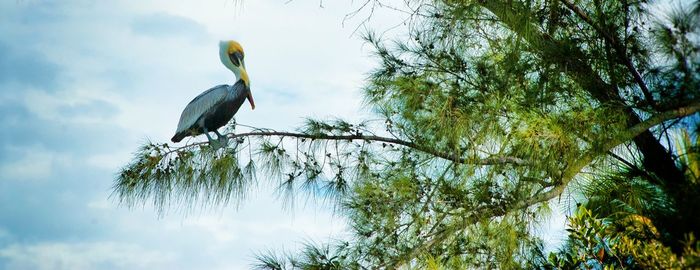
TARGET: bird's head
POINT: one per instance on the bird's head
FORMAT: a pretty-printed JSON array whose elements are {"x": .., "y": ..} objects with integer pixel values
[{"x": 231, "y": 54}]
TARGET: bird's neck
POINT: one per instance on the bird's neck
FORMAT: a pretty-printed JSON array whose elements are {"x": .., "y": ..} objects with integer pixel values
[{"x": 236, "y": 73}]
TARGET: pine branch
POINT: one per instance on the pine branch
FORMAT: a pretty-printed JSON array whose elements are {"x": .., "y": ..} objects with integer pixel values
[
  {"x": 484, "y": 213},
  {"x": 454, "y": 157},
  {"x": 587, "y": 158},
  {"x": 657, "y": 159},
  {"x": 621, "y": 51}
]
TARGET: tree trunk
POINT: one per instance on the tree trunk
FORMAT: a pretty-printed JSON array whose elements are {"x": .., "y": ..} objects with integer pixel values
[{"x": 656, "y": 158}]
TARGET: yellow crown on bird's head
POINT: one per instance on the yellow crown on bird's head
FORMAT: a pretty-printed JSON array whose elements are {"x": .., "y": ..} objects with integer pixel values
[
  {"x": 231, "y": 54},
  {"x": 234, "y": 46}
]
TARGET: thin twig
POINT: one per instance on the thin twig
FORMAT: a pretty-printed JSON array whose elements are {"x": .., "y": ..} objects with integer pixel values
[
  {"x": 455, "y": 157},
  {"x": 621, "y": 52}
]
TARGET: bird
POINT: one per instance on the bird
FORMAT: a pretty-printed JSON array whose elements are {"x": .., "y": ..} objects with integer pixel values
[{"x": 215, "y": 107}]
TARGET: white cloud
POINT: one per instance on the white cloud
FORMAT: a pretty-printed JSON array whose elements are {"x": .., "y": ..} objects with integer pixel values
[
  {"x": 109, "y": 161},
  {"x": 69, "y": 107},
  {"x": 4, "y": 234},
  {"x": 78, "y": 256},
  {"x": 31, "y": 164}
]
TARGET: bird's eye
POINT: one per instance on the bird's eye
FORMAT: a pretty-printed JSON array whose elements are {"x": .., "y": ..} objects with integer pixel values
[{"x": 234, "y": 59}]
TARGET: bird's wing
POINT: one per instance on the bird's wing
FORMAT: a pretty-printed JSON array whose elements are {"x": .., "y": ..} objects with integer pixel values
[{"x": 200, "y": 105}]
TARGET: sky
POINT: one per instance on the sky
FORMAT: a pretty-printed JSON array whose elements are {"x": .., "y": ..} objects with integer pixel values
[{"x": 83, "y": 83}]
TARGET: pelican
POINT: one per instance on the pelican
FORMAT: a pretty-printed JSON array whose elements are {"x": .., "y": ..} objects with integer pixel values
[{"x": 213, "y": 108}]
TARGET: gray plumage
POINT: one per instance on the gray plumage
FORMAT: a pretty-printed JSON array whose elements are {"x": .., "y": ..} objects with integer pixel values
[{"x": 211, "y": 110}]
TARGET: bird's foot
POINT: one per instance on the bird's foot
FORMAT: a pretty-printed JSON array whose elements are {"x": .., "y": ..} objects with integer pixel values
[
  {"x": 218, "y": 143},
  {"x": 215, "y": 144},
  {"x": 223, "y": 140}
]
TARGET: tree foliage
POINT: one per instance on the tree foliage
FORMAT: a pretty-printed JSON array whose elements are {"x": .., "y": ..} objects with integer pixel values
[
  {"x": 628, "y": 242},
  {"x": 485, "y": 113},
  {"x": 615, "y": 227}
]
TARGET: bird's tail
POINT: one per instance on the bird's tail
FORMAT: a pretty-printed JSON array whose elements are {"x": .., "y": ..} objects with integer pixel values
[{"x": 178, "y": 137}]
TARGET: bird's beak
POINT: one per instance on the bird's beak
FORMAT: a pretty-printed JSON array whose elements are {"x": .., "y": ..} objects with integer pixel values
[{"x": 250, "y": 100}]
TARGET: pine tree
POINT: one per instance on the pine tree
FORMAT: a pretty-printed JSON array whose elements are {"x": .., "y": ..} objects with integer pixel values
[{"x": 487, "y": 112}]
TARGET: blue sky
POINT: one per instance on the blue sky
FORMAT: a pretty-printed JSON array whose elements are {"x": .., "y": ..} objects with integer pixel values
[{"x": 83, "y": 83}]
